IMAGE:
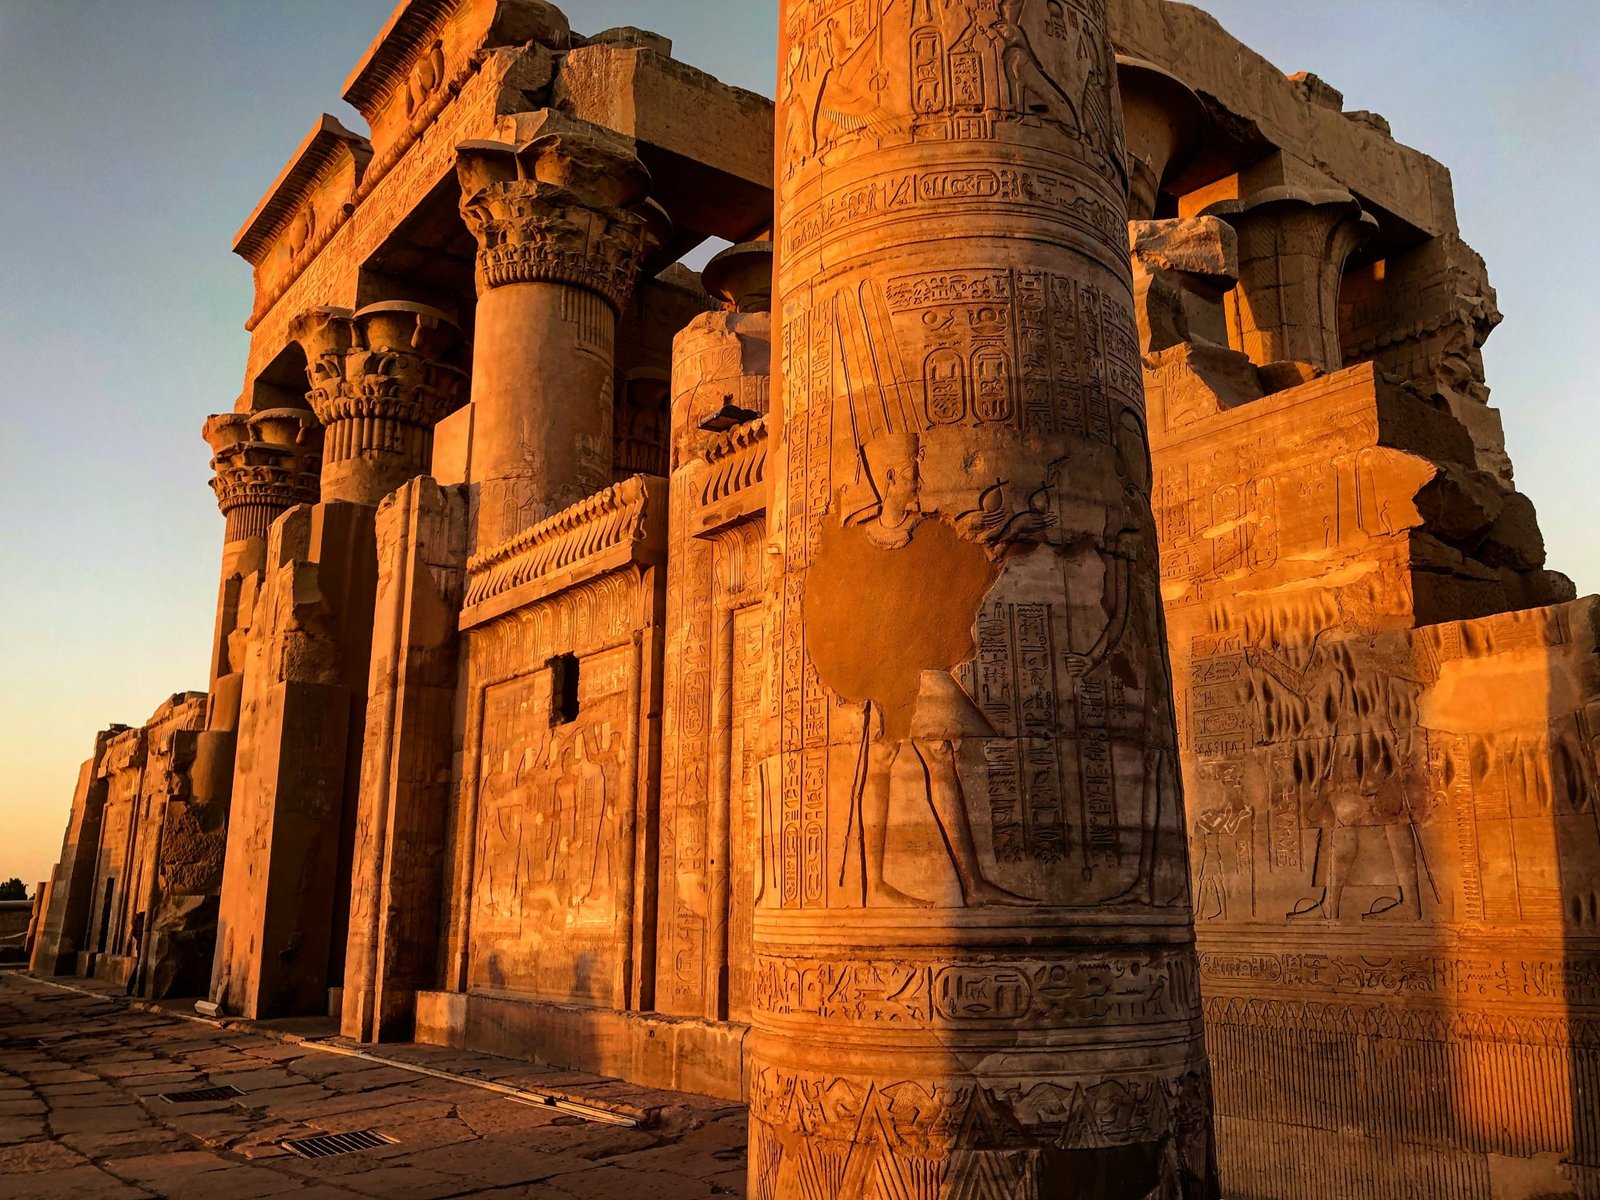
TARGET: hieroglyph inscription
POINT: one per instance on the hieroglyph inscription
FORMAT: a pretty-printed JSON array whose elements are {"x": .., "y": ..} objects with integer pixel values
[
  {"x": 1110, "y": 987},
  {"x": 887, "y": 71}
]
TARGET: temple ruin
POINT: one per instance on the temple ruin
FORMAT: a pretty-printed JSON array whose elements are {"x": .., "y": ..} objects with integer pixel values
[{"x": 1030, "y": 669}]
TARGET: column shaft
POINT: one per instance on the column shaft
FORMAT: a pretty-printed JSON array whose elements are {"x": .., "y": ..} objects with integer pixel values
[
  {"x": 974, "y": 953},
  {"x": 562, "y": 224},
  {"x": 542, "y": 379}
]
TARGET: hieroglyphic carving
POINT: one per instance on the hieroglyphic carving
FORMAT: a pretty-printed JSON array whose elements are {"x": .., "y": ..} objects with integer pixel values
[
  {"x": 975, "y": 725},
  {"x": 1010, "y": 993},
  {"x": 716, "y": 648},
  {"x": 894, "y": 1134},
  {"x": 1042, "y": 352}
]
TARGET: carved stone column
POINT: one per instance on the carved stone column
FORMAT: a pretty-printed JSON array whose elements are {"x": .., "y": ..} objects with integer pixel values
[
  {"x": 1164, "y": 122},
  {"x": 1293, "y": 244},
  {"x": 974, "y": 962},
  {"x": 265, "y": 462},
  {"x": 380, "y": 379},
  {"x": 562, "y": 223}
]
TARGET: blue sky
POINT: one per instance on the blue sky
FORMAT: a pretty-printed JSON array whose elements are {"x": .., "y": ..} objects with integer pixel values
[{"x": 136, "y": 137}]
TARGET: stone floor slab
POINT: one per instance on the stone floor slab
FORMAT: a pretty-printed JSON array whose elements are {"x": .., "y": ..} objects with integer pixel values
[{"x": 81, "y": 1115}]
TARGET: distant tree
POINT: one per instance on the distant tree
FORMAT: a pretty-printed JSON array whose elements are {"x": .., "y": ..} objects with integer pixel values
[{"x": 13, "y": 889}]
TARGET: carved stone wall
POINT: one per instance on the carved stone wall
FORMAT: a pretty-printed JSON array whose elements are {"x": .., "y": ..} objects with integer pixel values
[
  {"x": 116, "y": 879},
  {"x": 714, "y": 720},
  {"x": 285, "y": 890},
  {"x": 398, "y": 872},
  {"x": 1397, "y": 870},
  {"x": 557, "y": 786},
  {"x": 64, "y": 928},
  {"x": 1394, "y": 780}
]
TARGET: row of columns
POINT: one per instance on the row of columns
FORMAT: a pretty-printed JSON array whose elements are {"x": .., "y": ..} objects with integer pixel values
[{"x": 563, "y": 224}]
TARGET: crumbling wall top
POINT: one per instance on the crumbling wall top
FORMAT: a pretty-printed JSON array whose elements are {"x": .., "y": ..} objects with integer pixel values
[{"x": 1259, "y": 108}]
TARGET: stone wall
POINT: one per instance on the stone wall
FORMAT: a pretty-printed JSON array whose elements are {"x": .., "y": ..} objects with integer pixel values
[{"x": 541, "y": 773}]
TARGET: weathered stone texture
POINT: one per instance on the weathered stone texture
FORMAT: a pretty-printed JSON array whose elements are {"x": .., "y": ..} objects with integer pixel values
[
  {"x": 284, "y": 900},
  {"x": 615, "y": 668}
]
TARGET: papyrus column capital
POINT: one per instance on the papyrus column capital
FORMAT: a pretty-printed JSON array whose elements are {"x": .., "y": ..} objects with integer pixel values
[
  {"x": 378, "y": 380},
  {"x": 264, "y": 463},
  {"x": 568, "y": 204},
  {"x": 1293, "y": 243},
  {"x": 1164, "y": 122}
]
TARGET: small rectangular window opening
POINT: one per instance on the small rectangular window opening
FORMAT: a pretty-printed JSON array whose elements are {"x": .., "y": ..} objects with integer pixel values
[{"x": 563, "y": 689}]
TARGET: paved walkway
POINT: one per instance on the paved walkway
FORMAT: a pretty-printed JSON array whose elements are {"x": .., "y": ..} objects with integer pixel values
[{"x": 82, "y": 1116}]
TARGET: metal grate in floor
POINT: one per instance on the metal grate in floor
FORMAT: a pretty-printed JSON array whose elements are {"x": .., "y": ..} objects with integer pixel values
[
  {"x": 325, "y": 1145},
  {"x": 199, "y": 1095}
]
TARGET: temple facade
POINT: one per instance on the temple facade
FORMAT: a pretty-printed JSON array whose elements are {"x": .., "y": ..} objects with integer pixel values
[{"x": 1030, "y": 668}]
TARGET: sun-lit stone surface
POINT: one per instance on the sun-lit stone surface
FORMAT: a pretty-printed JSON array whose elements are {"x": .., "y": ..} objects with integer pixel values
[{"x": 766, "y": 685}]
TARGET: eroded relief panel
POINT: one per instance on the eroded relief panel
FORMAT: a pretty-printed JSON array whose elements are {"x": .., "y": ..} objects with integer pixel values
[
  {"x": 1394, "y": 826},
  {"x": 553, "y": 795},
  {"x": 713, "y": 770}
]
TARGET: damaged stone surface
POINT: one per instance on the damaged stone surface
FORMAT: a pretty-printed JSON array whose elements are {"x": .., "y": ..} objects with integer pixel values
[{"x": 777, "y": 694}]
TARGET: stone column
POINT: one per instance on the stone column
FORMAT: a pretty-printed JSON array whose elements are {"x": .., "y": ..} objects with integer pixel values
[
  {"x": 380, "y": 379},
  {"x": 265, "y": 463},
  {"x": 562, "y": 223},
  {"x": 974, "y": 954},
  {"x": 1293, "y": 244},
  {"x": 1165, "y": 122}
]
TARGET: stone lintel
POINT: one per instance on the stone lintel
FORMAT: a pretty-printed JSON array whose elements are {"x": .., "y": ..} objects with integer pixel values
[
  {"x": 321, "y": 152},
  {"x": 423, "y": 40},
  {"x": 624, "y": 525},
  {"x": 712, "y": 185}
]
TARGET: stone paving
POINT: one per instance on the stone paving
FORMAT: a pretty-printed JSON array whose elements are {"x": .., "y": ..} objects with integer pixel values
[{"x": 81, "y": 1116}]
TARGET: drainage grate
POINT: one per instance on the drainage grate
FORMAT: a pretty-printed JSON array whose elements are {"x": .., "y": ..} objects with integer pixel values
[
  {"x": 226, "y": 1092},
  {"x": 325, "y": 1145}
]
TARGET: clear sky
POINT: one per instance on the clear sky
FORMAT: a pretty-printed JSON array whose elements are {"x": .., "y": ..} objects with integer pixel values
[{"x": 136, "y": 137}]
